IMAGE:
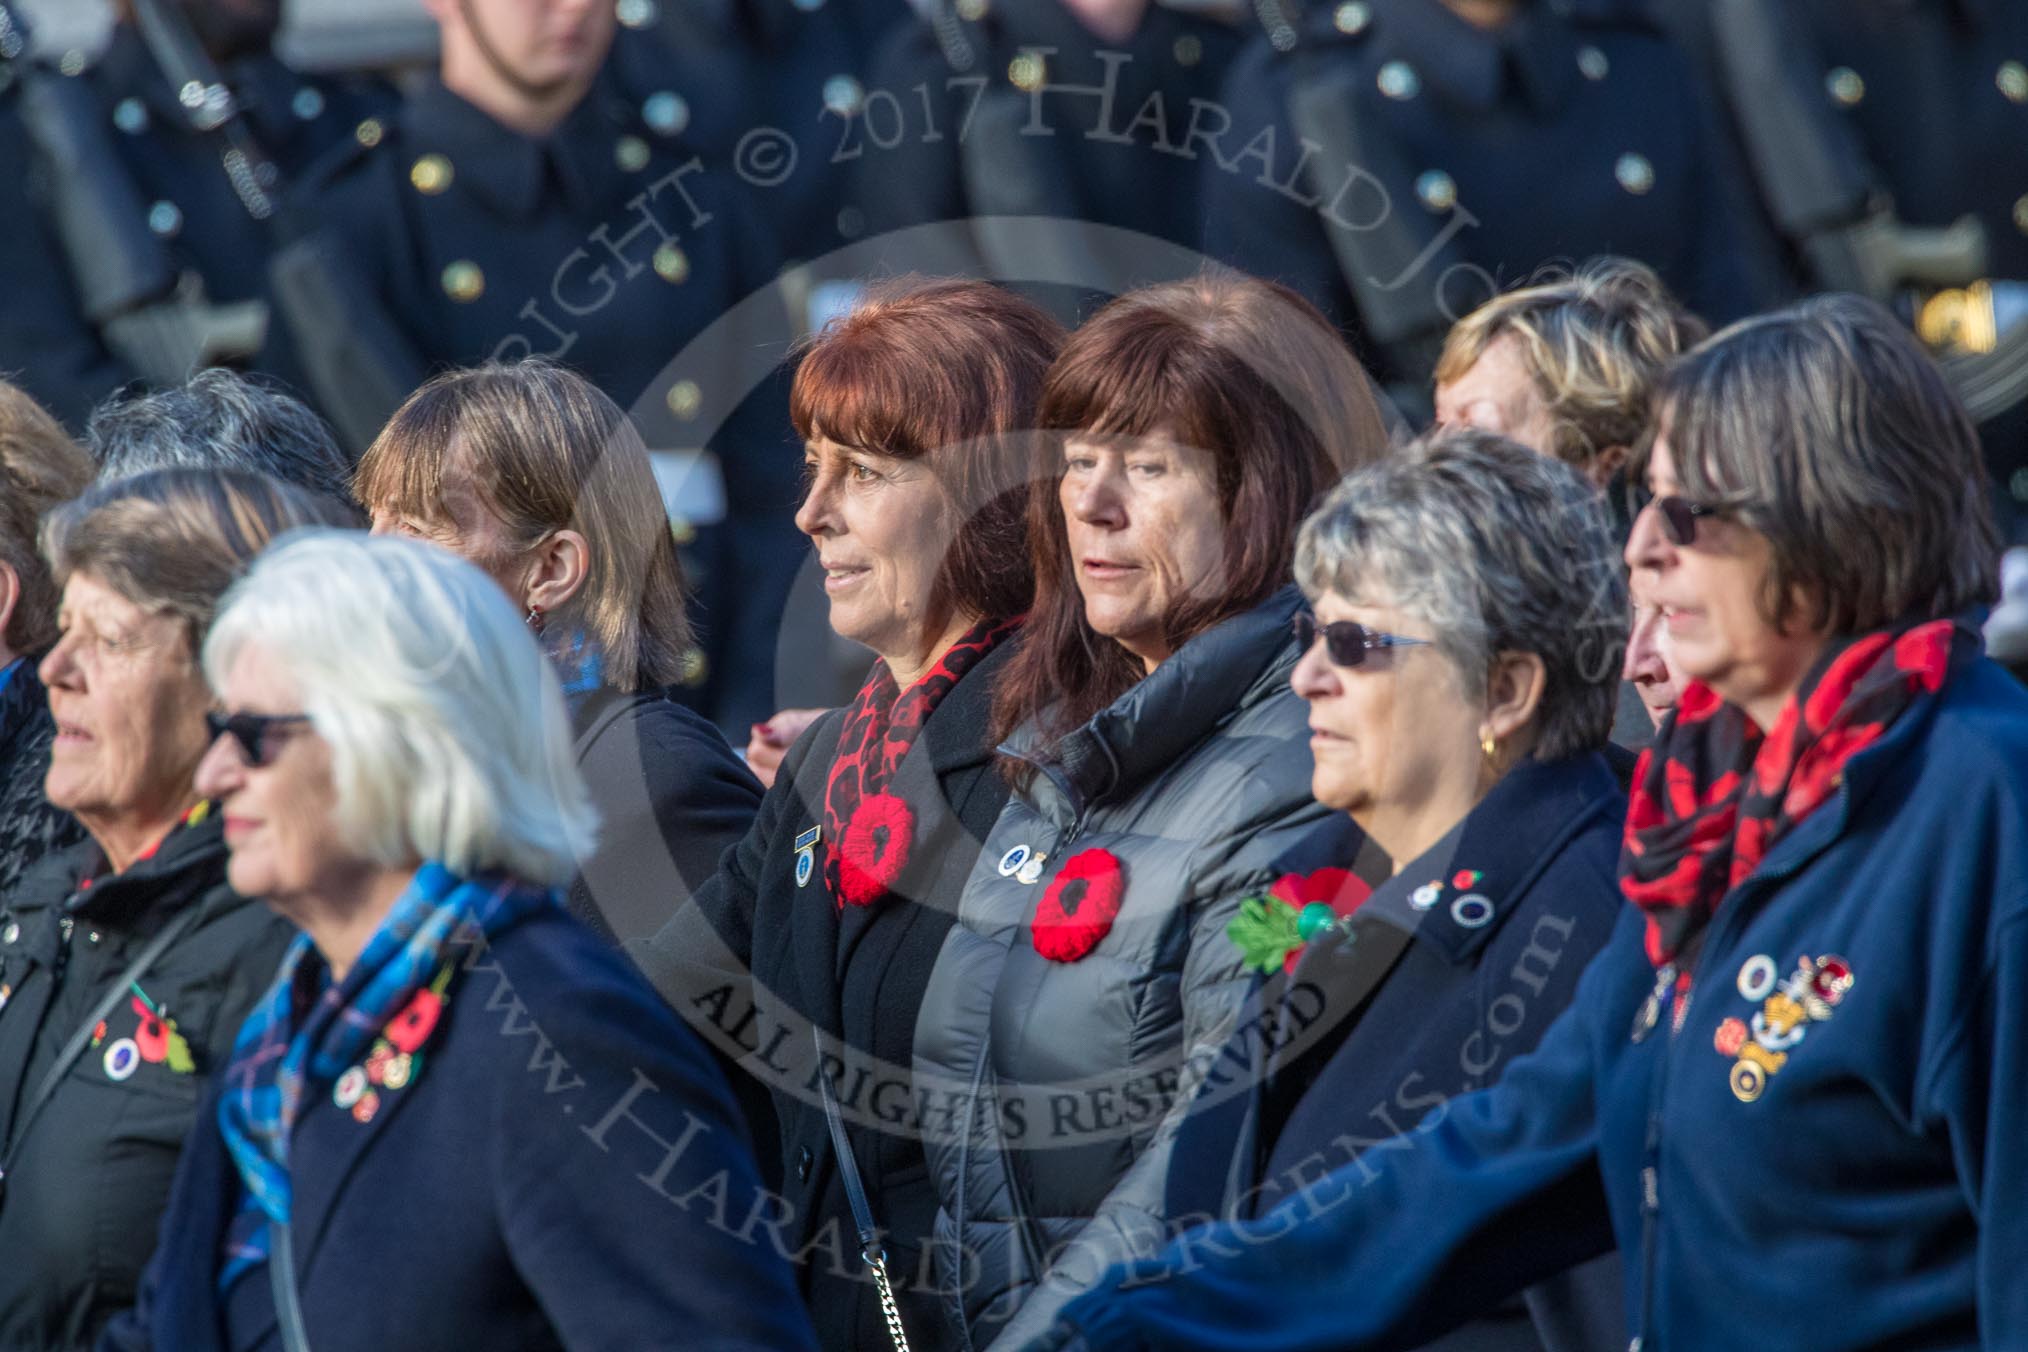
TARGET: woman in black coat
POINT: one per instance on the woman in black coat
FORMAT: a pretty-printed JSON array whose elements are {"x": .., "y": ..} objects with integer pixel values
[
  {"x": 126, "y": 963},
  {"x": 532, "y": 473},
  {"x": 1461, "y": 673},
  {"x": 455, "y": 1119},
  {"x": 806, "y": 956}
]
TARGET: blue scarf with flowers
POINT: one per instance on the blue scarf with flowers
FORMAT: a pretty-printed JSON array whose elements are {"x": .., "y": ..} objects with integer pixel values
[{"x": 309, "y": 1031}]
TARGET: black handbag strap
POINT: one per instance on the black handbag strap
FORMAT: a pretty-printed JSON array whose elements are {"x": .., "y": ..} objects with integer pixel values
[
  {"x": 870, "y": 1250},
  {"x": 81, "y": 1038}
]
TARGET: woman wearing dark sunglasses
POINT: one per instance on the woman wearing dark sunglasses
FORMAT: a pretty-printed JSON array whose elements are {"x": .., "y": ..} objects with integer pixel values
[
  {"x": 452, "y": 1118},
  {"x": 1461, "y": 677},
  {"x": 1792, "y": 1086},
  {"x": 126, "y": 963}
]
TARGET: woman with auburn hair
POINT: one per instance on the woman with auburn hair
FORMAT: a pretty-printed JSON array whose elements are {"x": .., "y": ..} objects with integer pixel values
[
  {"x": 40, "y": 468},
  {"x": 806, "y": 956},
  {"x": 529, "y": 471},
  {"x": 1160, "y": 767},
  {"x": 1791, "y": 1087}
]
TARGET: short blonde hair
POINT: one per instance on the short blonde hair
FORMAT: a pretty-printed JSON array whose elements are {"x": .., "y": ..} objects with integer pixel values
[
  {"x": 1594, "y": 342},
  {"x": 448, "y": 735},
  {"x": 40, "y": 468}
]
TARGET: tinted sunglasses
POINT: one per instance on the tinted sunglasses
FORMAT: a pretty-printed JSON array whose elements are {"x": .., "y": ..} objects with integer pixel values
[
  {"x": 1346, "y": 643},
  {"x": 1679, "y": 518},
  {"x": 253, "y": 732}
]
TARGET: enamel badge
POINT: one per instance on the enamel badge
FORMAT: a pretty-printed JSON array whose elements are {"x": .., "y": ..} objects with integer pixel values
[
  {"x": 1760, "y": 1046},
  {"x": 806, "y": 854}
]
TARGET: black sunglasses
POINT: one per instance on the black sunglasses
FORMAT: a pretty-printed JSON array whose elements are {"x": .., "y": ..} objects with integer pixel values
[
  {"x": 1346, "y": 643},
  {"x": 1679, "y": 518},
  {"x": 251, "y": 731}
]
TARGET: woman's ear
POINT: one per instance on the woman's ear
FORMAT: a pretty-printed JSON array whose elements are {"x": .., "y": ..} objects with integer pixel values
[
  {"x": 560, "y": 566},
  {"x": 1514, "y": 692},
  {"x": 10, "y": 597}
]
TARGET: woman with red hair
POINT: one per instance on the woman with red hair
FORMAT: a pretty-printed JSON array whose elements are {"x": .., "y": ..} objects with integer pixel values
[{"x": 805, "y": 958}]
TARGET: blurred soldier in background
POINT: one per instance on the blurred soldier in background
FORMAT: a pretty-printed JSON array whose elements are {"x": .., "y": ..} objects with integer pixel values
[
  {"x": 156, "y": 174},
  {"x": 1072, "y": 110},
  {"x": 1889, "y": 140},
  {"x": 524, "y": 202},
  {"x": 1401, "y": 161}
]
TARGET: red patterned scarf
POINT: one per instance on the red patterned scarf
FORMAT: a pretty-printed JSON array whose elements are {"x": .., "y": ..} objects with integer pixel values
[
  {"x": 870, "y": 829},
  {"x": 1711, "y": 800}
]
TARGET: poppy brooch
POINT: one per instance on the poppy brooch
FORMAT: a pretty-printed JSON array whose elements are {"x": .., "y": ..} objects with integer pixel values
[
  {"x": 395, "y": 1058},
  {"x": 1272, "y": 929},
  {"x": 1079, "y": 905}
]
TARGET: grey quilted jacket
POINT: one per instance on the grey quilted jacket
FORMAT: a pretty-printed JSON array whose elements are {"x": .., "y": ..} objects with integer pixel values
[{"x": 1052, "y": 1089}]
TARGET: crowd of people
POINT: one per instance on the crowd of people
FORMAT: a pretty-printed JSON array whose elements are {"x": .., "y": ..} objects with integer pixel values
[
  {"x": 1387, "y": 797},
  {"x": 1285, "y": 881}
]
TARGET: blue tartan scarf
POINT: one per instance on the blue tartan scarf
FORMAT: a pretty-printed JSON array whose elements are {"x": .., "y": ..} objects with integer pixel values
[{"x": 308, "y": 1031}]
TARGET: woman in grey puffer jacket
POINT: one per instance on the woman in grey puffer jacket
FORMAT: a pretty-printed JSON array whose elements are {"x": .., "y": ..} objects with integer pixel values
[{"x": 1160, "y": 763}]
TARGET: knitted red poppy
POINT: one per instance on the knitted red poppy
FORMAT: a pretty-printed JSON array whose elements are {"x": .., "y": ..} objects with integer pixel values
[
  {"x": 869, "y": 829},
  {"x": 1712, "y": 799},
  {"x": 1079, "y": 906},
  {"x": 875, "y": 848}
]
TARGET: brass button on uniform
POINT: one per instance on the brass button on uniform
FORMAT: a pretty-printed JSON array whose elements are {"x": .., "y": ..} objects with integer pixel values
[
  {"x": 1437, "y": 190},
  {"x": 672, "y": 264},
  {"x": 431, "y": 174},
  {"x": 1398, "y": 80},
  {"x": 631, "y": 153},
  {"x": 2013, "y": 81},
  {"x": 464, "y": 282},
  {"x": 1026, "y": 72},
  {"x": 666, "y": 112},
  {"x": 1635, "y": 174},
  {"x": 369, "y": 132}
]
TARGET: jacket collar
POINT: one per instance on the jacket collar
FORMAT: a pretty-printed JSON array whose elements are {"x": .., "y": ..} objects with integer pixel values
[
  {"x": 512, "y": 172},
  {"x": 1534, "y": 55},
  {"x": 1458, "y": 893},
  {"x": 76, "y": 878},
  {"x": 1234, "y": 664}
]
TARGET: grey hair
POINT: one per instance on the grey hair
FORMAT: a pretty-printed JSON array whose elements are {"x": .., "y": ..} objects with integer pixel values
[
  {"x": 1496, "y": 549},
  {"x": 448, "y": 734},
  {"x": 219, "y": 419}
]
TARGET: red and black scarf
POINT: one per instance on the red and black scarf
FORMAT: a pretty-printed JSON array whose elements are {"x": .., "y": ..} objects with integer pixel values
[
  {"x": 870, "y": 829},
  {"x": 1712, "y": 799}
]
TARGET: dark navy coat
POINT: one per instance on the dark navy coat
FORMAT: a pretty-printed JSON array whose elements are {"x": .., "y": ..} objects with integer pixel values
[
  {"x": 1861, "y": 1193},
  {"x": 762, "y": 959},
  {"x": 1483, "y": 156},
  {"x": 1451, "y": 970},
  {"x": 566, "y": 1170}
]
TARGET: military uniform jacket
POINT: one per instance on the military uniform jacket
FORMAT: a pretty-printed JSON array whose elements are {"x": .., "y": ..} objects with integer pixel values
[
  {"x": 1025, "y": 112},
  {"x": 607, "y": 246},
  {"x": 1399, "y": 166},
  {"x": 1780, "y": 1169},
  {"x": 764, "y": 954},
  {"x": 91, "y": 1173}
]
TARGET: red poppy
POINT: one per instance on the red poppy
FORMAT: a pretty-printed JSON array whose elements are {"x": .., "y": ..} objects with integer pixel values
[
  {"x": 151, "y": 1037},
  {"x": 1079, "y": 906},
  {"x": 1341, "y": 889},
  {"x": 417, "y": 1020},
  {"x": 875, "y": 848},
  {"x": 1730, "y": 1037}
]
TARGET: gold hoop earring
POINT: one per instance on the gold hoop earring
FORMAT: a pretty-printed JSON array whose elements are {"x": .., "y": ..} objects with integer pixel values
[{"x": 1489, "y": 744}]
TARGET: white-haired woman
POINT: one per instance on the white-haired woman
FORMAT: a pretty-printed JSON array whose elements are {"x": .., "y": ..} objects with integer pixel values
[{"x": 457, "y": 1119}]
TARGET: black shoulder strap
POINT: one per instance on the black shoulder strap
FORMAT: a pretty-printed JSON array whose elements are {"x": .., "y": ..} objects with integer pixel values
[{"x": 81, "y": 1038}]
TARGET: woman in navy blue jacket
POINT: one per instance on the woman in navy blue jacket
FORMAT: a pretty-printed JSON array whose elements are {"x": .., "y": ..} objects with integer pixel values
[
  {"x": 1792, "y": 1086},
  {"x": 457, "y": 1119},
  {"x": 1461, "y": 684}
]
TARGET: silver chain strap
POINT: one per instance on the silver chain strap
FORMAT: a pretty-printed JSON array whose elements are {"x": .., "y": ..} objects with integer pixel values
[{"x": 876, "y": 1261}]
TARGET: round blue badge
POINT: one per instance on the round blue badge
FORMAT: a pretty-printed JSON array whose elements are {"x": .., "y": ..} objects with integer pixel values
[{"x": 806, "y": 864}]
